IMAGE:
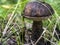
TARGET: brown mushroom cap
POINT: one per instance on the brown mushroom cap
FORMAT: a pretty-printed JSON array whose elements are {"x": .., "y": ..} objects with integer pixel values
[{"x": 38, "y": 10}]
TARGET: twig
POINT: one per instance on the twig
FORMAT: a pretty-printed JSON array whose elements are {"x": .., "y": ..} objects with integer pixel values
[
  {"x": 32, "y": 42},
  {"x": 10, "y": 19},
  {"x": 7, "y": 26},
  {"x": 54, "y": 29},
  {"x": 49, "y": 41},
  {"x": 40, "y": 36}
]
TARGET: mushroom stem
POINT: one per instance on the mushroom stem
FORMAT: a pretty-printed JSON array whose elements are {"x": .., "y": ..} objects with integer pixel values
[{"x": 37, "y": 30}]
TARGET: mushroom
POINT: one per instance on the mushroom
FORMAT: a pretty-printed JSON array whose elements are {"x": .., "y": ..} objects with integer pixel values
[{"x": 37, "y": 11}]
